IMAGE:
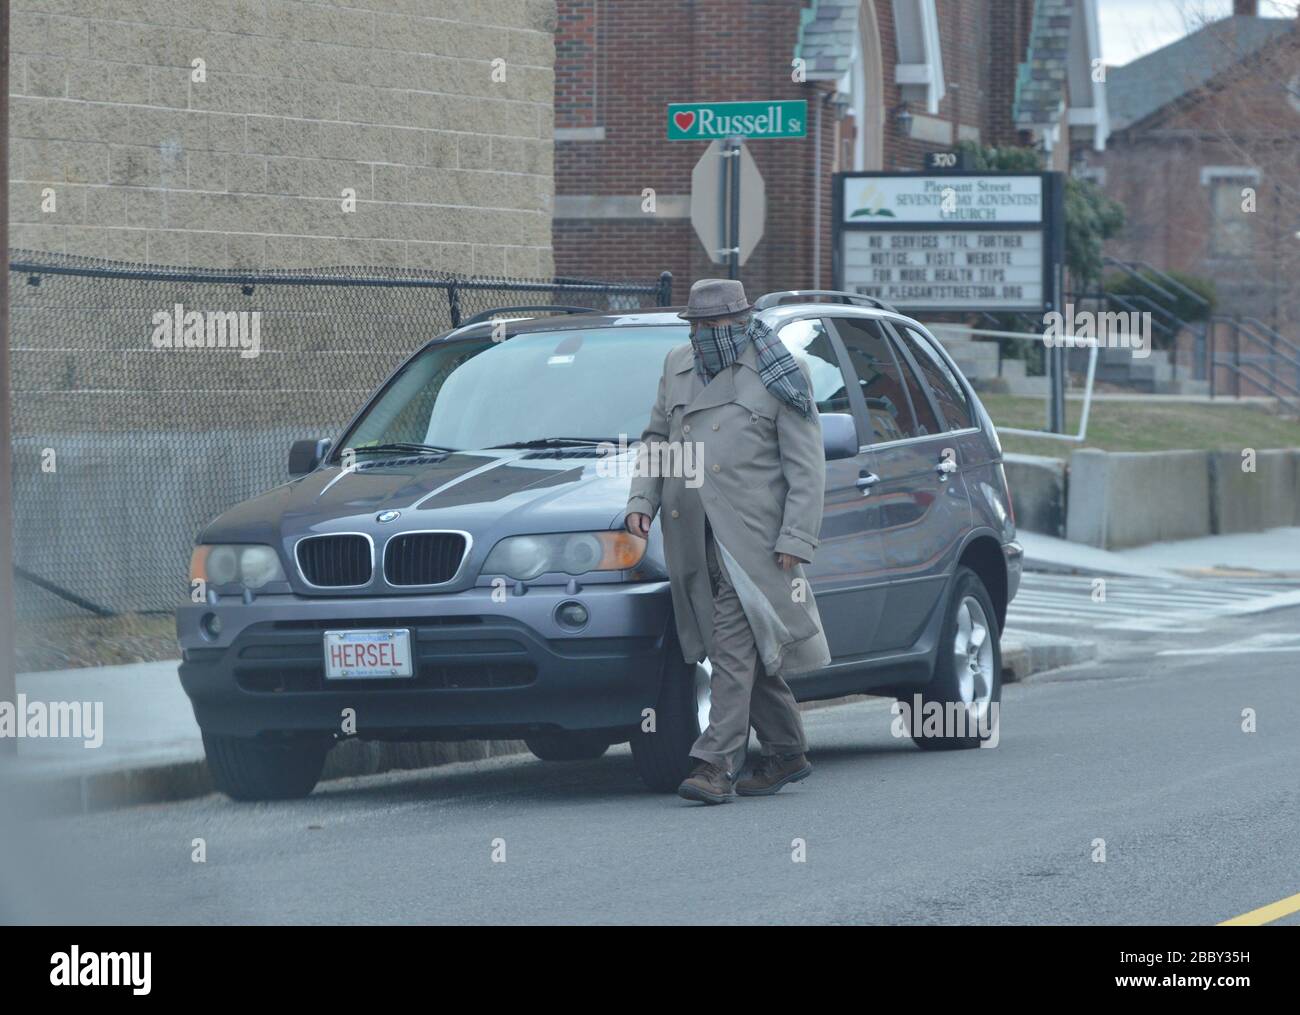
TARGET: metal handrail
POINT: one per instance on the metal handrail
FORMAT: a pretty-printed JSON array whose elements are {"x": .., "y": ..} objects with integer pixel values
[
  {"x": 1239, "y": 369},
  {"x": 1294, "y": 361},
  {"x": 1143, "y": 271},
  {"x": 1133, "y": 273},
  {"x": 1123, "y": 301},
  {"x": 1272, "y": 333},
  {"x": 1168, "y": 279}
]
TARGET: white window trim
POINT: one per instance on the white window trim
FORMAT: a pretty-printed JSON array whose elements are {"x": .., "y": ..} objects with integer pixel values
[
  {"x": 1100, "y": 120},
  {"x": 1211, "y": 173},
  {"x": 930, "y": 73}
]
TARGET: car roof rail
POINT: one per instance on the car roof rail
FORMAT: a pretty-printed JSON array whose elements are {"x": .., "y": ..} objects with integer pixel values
[
  {"x": 487, "y": 315},
  {"x": 773, "y": 299}
]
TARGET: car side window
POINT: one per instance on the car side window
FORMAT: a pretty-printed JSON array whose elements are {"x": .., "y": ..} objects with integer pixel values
[
  {"x": 895, "y": 402},
  {"x": 947, "y": 389},
  {"x": 830, "y": 391}
]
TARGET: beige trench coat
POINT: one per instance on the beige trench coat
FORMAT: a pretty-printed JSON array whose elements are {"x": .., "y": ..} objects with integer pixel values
[{"x": 763, "y": 472}]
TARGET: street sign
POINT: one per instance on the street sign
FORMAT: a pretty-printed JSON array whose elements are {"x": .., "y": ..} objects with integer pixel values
[
  {"x": 711, "y": 204},
  {"x": 951, "y": 241},
  {"x": 710, "y": 121}
]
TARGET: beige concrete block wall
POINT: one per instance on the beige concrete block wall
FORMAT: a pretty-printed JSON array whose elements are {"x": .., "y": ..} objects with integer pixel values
[{"x": 392, "y": 99}]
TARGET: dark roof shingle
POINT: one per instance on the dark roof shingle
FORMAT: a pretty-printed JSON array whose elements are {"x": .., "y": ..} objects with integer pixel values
[{"x": 1149, "y": 83}]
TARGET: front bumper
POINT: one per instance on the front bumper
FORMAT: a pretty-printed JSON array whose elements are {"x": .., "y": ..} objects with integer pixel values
[{"x": 483, "y": 669}]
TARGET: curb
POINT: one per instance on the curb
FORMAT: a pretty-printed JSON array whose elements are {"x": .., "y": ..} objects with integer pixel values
[{"x": 1024, "y": 654}]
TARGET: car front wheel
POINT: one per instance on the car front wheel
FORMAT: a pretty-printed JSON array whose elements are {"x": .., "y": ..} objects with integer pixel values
[
  {"x": 959, "y": 707},
  {"x": 662, "y": 753},
  {"x": 248, "y": 768}
]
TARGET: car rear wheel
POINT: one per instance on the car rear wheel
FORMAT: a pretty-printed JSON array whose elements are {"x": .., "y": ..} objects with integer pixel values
[
  {"x": 568, "y": 746},
  {"x": 967, "y": 682},
  {"x": 663, "y": 755},
  {"x": 263, "y": 769}
]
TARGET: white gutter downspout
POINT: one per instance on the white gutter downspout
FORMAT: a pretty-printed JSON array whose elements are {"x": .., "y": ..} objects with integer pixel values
[{"x": 817, "y": 197}]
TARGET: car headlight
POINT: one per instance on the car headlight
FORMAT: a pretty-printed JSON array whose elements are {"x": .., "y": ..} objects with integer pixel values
[
  {"x": 526, "y": 557},
  {"x": 250, "y": 565}
]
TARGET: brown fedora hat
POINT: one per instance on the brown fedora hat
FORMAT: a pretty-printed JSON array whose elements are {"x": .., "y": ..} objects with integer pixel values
[{"x": 715, "y": 297}]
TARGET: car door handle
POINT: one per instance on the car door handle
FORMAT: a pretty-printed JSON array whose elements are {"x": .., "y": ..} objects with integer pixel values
[{"x": 865, "y": 483}]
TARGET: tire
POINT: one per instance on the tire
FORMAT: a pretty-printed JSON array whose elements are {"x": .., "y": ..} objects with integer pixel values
[
  {"x": 247, "y": 768},
  {"x": 568, "y": 746},
  {"x": 663, "y": 758},
  {"x": 967, "y": 670}
]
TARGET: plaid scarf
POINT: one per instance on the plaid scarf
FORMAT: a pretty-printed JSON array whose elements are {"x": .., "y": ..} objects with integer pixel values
[{"x": 716, "y": 348}]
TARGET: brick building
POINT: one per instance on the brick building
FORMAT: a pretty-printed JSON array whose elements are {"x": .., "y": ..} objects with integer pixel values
[
  {"x": 885, "y": 80},
  {"x": 436, "y": 116},
  {"x": 1203, "y": 157}
]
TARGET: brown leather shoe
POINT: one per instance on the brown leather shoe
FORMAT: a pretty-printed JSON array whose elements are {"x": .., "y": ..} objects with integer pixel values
[
  {"x": 709, "y": 784},
  {"x": 772, "y": 772}
]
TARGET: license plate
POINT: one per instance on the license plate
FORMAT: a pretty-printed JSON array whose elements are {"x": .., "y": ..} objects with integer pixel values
[{"x": 367, "y": 655}]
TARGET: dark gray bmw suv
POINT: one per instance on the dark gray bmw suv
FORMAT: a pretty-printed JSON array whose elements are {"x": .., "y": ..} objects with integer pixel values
[{"x": 455, "y": 566}]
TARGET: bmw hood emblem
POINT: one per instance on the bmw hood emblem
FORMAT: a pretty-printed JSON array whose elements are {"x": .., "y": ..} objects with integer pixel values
[{"x": 388, "y": 516}]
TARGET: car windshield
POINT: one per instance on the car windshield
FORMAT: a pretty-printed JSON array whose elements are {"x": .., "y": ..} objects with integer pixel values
[{"x": 598, "y": 383}]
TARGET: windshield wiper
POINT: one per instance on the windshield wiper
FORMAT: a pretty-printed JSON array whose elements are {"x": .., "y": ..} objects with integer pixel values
[
  {"x": 553, "y": 442},
  {"x": 402, "y": 447}
]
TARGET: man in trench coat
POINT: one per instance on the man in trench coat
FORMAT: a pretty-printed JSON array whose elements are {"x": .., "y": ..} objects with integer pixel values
[{"x": 740, "y": 518}]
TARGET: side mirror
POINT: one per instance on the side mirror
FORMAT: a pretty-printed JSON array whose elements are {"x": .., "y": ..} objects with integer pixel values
[
  {"x": 305, "y": 455},
  {"x": 839, "y": 435}
]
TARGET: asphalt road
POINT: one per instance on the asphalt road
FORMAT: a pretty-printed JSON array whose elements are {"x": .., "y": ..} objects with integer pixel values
[{"x": 1142, "y": 750}]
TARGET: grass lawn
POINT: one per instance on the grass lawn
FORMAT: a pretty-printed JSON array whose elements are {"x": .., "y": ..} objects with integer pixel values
[{"x": 1146, "y": 425}]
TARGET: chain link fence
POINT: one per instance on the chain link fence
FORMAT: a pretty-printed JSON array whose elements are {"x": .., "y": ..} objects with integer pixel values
[{"x": 132, "y": 429}]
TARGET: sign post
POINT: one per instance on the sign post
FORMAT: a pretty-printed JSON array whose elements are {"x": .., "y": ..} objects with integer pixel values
[
  {"x": 733, "y": 207},
  {"x": 728, "y": 199},
  {"x": 728, "y": 203}
]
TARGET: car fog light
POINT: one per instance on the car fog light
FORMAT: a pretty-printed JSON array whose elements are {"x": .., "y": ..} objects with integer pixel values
[
  {"x": 571, "y": 614},
  {"x": 211, "y": 626}
]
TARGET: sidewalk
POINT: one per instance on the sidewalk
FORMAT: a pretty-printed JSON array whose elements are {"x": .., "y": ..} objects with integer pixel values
[
  {"x": 152, "y": 751},
  {"x": 1271, "y": 554}
]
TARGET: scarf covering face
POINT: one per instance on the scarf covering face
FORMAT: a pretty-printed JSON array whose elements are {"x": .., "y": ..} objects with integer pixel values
[{"x": 716, "y": 348}]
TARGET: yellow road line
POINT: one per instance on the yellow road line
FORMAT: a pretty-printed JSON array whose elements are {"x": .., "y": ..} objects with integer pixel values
[{"x": 1265, "y": 914}]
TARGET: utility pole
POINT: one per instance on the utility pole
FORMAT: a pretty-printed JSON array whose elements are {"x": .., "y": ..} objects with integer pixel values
[{"x": 8, "y": 685}]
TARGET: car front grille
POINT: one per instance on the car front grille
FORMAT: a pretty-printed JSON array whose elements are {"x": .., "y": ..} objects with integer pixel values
[
  {"x": 423, "y": 558},
  {"x": 335, "y": 562}
]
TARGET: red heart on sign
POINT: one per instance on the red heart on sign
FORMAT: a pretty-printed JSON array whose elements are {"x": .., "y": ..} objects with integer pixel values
[{"x": 684, "y": 120}]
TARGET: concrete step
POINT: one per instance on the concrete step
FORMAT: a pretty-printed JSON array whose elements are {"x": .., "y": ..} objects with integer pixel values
[
  {"x": 1028, "y": 386},
  {"x": 1182, "y": 386}
]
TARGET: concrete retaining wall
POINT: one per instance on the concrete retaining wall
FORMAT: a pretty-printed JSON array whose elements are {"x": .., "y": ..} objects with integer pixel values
[
  {"x": 1038, "y": 492},
  {"x": 1266, "y": 498},
  {"x": 1119, "y": 499}
]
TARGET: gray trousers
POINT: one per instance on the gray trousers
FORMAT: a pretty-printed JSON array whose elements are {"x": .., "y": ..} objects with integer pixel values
[{"x": 743, "y": 693}]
